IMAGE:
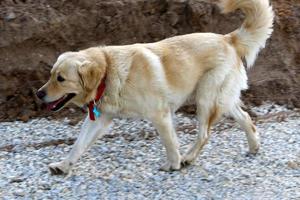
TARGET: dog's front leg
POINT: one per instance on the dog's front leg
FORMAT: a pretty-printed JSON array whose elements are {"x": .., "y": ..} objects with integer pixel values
[
  {"x": 90, "y": 130},
  {"x": 164, "y": 124}
]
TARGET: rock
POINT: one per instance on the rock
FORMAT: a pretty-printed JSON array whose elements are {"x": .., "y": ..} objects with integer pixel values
[
  {"x": 19, "y": 192},
  {"x": 114, "y": 167},
  {"x": 24, "y": 118},
  {"x": 10, "y": 16},
  {"x": 16, "y": 179},
  {"x": 293, "y": 165}
]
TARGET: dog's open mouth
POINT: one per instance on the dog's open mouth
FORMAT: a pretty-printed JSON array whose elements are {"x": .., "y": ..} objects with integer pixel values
[{"x": 59, "y": 103}]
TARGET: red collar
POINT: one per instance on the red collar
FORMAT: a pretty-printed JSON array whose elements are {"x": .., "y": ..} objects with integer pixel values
[{"x": 100, "y": 91}]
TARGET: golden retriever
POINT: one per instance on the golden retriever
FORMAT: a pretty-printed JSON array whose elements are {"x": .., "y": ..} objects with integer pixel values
[{"x": 153, "y": 80}]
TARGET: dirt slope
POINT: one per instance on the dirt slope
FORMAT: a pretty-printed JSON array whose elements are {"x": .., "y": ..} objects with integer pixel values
[{"x": 34, "y": 32}]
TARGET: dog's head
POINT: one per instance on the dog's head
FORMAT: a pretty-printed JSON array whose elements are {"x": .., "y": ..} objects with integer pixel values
[{"x": 74, "y": 78}]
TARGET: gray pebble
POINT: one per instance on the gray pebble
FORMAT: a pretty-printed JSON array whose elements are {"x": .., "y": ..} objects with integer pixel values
[{"x": 125, "y": 165}]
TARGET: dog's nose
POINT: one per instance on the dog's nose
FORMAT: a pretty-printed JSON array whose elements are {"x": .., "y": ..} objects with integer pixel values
[{"x": 41, "y": 94}]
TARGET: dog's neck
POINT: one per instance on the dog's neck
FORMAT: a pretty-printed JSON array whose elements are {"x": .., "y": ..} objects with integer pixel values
[
  {"x": 93, "y": 110},
  {"x": 116, "y": 76}
]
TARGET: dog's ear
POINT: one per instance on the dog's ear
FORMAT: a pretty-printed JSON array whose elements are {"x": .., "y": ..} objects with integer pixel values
[{"x": 90, "y": 75}]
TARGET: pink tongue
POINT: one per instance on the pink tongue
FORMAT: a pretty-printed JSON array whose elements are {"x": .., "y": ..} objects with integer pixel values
[{"x": 53, "y": 104}]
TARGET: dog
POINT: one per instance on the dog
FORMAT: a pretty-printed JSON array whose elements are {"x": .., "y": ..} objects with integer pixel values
[{"x": 152, "y": 80}]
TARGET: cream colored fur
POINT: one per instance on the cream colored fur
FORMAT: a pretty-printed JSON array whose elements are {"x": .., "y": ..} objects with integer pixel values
[{"x": 153, "y": 80}]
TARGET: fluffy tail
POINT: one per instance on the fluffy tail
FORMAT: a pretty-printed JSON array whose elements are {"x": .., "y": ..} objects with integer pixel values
[{"x": 256, "y": 28}]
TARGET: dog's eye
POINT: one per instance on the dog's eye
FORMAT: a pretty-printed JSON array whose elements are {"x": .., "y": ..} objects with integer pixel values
[{"x": 60, "y": 79}]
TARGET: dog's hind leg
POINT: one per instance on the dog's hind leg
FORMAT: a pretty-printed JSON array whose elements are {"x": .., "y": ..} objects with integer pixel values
[
  {"x": 206, "y": 119},
  {"x": 90, "y": 131},
  {"x": 247, "y": 125},
  {"x": 208, "y": 109},
  {"x": 164, "y": 124}
]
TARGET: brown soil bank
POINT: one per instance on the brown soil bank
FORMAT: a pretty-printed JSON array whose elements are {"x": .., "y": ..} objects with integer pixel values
[{"x": 34, "y": 32}]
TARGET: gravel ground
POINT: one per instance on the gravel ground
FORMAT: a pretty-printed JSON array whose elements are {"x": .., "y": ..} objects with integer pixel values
[{"x": 125, "y": 164}]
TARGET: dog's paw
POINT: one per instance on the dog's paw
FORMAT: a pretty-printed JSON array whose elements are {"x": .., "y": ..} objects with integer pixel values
[
  {"x": 254, "y": 143},
  {"x": 254, "y": 151},
  {"x": 185, "y": 163},
  {"x": 187, "y": 160},
  {"x": 168, "y": 166},
  {"x": 59, "y": 168},
  {"x": 254, "y": 148}
]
